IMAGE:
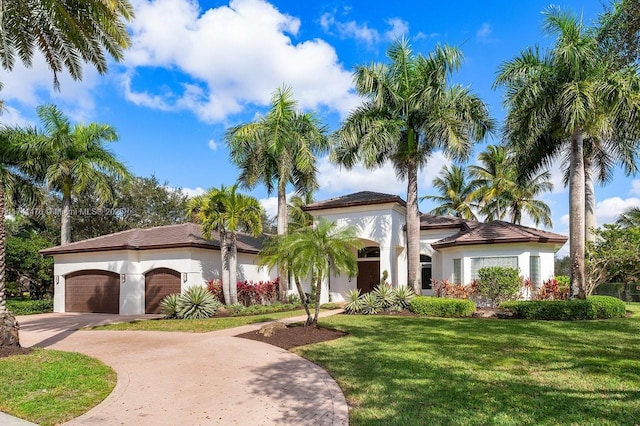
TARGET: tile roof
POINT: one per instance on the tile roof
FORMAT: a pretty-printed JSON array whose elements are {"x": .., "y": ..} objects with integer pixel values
[
  {"x": 498, "y": 232},
  {"x": 171, "y": 236},
  {"x": 358, "y": 199},
  {"x": 429, "y": 221}
]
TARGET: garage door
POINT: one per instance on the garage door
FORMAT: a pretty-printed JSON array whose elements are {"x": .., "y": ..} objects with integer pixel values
[
  {"x": 158, "y": 283},
  {"x": 92, "y": 291}
]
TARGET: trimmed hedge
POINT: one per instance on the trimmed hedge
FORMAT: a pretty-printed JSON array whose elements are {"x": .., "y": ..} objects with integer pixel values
[
  {"x": 595, "y": 307},
  {"x": 442, "y": 306},
  {"x": 29, "y": 307}
]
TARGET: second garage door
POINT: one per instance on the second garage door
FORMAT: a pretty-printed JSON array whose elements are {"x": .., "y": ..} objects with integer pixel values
[
  {"x": 92, "y": 291},
  {"x": 159, "y": 283}
]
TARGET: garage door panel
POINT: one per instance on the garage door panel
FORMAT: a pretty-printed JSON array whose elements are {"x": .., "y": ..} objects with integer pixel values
[
  {"x": 92, "y": 291},
  {"x": 158, "y": 284}
]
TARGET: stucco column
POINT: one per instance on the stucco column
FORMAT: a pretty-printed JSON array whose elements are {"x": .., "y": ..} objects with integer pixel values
[
  {"x": 132, "y": 294},
  {"x": 388, "y": 263}
]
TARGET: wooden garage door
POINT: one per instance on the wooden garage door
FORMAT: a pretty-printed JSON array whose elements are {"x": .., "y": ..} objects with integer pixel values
[
  {"x": 92, "y": 291},
  {"x": 158, "y": 283}
]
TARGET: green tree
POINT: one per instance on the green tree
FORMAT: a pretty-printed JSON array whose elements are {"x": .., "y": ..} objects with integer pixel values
[
  {"x": 278, "y": 149},
  {"x": 314, "y": 252},
  {"x": 629, "y": 218},
  {"x": 411, "y": 110},
  {"x": 73, "y": 158},
  {"x": 619, "y": 30},
  {"x": 565, "y": 96},
  {"x": 227, "y": 211},
  {"x": 456, "y": 194},
  {"x": 298, "y": 218},
  {"x": 66, "y": 32}
]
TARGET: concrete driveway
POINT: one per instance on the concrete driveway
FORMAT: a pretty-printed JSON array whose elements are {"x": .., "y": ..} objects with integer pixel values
[{"x": 167, "y": 378}]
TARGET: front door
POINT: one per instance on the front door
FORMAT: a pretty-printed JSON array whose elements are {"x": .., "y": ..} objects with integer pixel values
[{"x": 368, "y": 275}]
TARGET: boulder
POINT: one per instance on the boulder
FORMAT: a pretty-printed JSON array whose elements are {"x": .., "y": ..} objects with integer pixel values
[
  {"x": 270, "y": 329},
  {"x": 9, "y": 330}
]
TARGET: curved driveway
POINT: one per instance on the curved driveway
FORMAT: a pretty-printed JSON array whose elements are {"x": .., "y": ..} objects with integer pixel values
[{"x": 171, "y": 378}]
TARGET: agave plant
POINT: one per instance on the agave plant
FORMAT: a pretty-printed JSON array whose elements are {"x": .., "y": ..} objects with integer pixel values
[
  {"x": 402, "y": 297},
  {"x": 169, "y": 306},
  {"x": 385, "y": 295},
  {"x": 370, "y": 303},
  {"x": 353, "y": 303},
  {"x": 196, "y": 303}
]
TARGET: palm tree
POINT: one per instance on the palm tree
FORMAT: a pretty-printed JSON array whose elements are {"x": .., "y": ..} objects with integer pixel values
[
  {"x": 298, "y": 218},
  {"x": 66, "y": 32},
  {"x": 314, "y": 252},
  {"x": 411, "y": 110},
  {"x": 563, "y": 97},
  {"x": 73, "y": 158},
  {"x": 279, "y": 149},
  {"x": 456, "y": 194},
  {"x": 629, "y": 218},
  {"x": 227, "y": 211}
]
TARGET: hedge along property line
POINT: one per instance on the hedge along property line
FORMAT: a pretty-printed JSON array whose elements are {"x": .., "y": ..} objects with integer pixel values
[
  {"x": 442, "y": 306},
  {"x": 594, "y": 307}
]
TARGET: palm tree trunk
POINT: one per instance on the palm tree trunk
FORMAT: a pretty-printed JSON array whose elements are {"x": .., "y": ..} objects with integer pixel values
[
  {"x": 577, "y": 209},
  {"x": 283, "y": 279},
  {"x": 233, "y": 268},
  {"x": 590, "y": 201},
  {"x": 224, "y": 255},
  {"x": 65, "y": 219},
  {"x": 317, "y": 300},
  {"x": 413, "y": 229},
  {"x": 8, "y": 324},
  {"x": 305, "y": 302}
]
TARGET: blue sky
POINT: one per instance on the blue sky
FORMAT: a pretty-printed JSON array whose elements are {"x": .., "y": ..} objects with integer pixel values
[{"x": 194, "y": 69}]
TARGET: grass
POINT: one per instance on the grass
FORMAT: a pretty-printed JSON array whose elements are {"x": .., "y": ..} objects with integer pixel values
[
  {"x": 29, "y": 307},
  {"x": 50, "y": 387},
  {"x": 406, "y": 371},
  {"x": 199, "y": 325}
]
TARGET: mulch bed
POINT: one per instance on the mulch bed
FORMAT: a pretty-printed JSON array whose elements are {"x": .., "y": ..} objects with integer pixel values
[
  {"x": 6, "y": 351},
  {"x": 292, "y": 337}
]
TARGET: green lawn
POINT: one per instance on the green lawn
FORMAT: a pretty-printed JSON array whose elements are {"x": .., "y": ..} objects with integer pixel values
[
  {"x": 200, "y": 325},
  {"x": 409, "y": 371},
  {"x": 50, "y": 387}
]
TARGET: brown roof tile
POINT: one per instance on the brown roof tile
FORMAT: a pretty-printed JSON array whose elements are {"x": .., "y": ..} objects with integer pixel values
[
  {"x": 498, "y": 232},
  {"x": 429, "y": 221},
  {"x": 358, "y": 199},
  {"x": 171, "y": 236}
]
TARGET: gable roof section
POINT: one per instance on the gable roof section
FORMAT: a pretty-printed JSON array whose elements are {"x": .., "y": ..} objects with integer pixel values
[
  {"x": 498, "y": 232},
  {"x": 160, "y": 237},
  {"x": 429, "y": 221},
  {"x": 363, "y": 198}
]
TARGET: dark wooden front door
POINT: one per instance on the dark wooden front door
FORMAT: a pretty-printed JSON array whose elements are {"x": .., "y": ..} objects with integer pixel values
[
  {"x": 368, "y": 275},
  {"x": 92, "y": 291},
  {"x": 159, "y": 283}
]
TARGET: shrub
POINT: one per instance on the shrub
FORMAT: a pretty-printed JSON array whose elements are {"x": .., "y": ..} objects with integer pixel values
[
  {"x": 215, "y": 287},
  {"x": 353, "y": 303},
  {"x": 29, "y": 307},
  {"x": 331, "y": 305},
  {"x": 451, "y": 290},
  {"x": 442, "y": 307},
  {"x": 260, "y": 293},
  {"x": 552, "y": 290},
  {"x": 370, "y": 304},
  {"x": 563, "y": 281},
  {"x": 595, "y": 307},
  {"x": 196, "y": 303},
  {"x": 385, "y": 295},
  {"x": 498, "y": 283},
  {"x": 169, "y": 306},
  {"x": 294, "y": 299},
  {"x": 402, "y": 297}
]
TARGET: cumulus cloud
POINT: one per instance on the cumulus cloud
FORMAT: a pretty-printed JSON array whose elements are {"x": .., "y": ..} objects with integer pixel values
[
  {"x": 349, "y": 29},
  {"x": 232, "y": 56},
  {"x": 635, "y": 187},
  {"x": 608, "y": 210},
  {"x": 398, "y": 28},
  {"x": 191, "y": 192},
  {"x": 270, "y": 204}
]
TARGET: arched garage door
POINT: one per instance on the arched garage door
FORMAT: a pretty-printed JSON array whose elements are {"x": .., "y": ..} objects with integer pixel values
[
  {"x": 92, "y": 291},
  {"x": 159, "y": 283}
]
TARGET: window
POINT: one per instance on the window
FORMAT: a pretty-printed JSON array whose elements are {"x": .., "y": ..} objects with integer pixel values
[
  {"x": 425, "y": 264},
  {"x": 478, "y": 263},
  {"x": 534, "y": 270},
  {"x": 457, "y": 271}
]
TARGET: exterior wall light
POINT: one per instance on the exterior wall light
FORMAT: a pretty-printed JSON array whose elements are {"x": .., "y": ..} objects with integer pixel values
[
  {"x": 184, "y": 277},
  {"x": 57, "y": 279},
  {"x": 123, "y": 278}
]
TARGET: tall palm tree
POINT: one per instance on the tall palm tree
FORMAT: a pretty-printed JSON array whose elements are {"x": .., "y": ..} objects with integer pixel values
[
  {"x": 227, "y": 211},
  {"x": 562, "y": 97},
  {"x": 279, "y": 149},
  {"x": 314, "y": 252},
  {"x": 66, "y": 32},
  {"x": 456, "y": 194},
  {"x": 411, "y": 110},
  {"x": 73, "y": 158}
]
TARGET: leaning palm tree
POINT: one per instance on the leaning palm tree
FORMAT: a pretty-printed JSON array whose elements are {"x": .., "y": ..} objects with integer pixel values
[
  {"x": 314, "y": 252},
  {"x": 456, "y": 194},
  {"x": 73, "y": 158},
  {"x": 227, "y": 211},
  {"x": 66, "y": 32},
  {"x": 411, "y": 110},
  {"x": 565, "y": 96},
  {"x": 279, "y": 149}
]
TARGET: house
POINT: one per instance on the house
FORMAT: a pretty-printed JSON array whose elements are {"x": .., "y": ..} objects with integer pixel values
[{"x": 130, "y": 272}]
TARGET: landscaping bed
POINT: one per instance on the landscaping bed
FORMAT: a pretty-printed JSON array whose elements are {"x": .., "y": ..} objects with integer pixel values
[
  {"x": 294, "y": 336},
  {"x": 6, "y": 351}
]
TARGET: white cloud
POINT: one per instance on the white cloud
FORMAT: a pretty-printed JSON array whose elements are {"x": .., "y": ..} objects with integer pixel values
[
  {"x": 10, "y": 116},
  {"x": 635, "y": 187},
  {"x": 233, "y": 56},
  {"x": 349, "y": 29},
  {"x": 192, "y": 192},
  {"x": 398, "y": 28},
  {"x": 270, "y": 204},
  {"x": 213, "y": 146},
  {"x": 608, "y": 210},
  {"x": 484, "y": 32}
]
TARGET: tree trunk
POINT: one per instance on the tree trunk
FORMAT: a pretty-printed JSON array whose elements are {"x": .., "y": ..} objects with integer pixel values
[
  {"x": 577, "y": 215},
  {"x": 305, "y": 302},
  {"x": 283, "y": 279},
  {"x": 590, "y": 201},
  {"x": 65, "y": 219},
  {"x": 233, "y": 268},
  {"x": 224, "y": 251},
  {"x": 317, "y": 300},
  {"x": 8, "y": 324},
  {"x": 413, "y": 229}
]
